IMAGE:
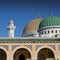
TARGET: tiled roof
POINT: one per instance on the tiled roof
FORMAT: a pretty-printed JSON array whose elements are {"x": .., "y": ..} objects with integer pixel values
[{"x": 29, "y": 40}]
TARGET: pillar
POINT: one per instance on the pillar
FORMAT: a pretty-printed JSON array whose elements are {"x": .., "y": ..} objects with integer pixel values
[{"x": 10, "y": 55}]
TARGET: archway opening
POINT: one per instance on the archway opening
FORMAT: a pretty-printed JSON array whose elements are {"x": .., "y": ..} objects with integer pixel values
[
  {"x": 42, "y": 57},
  {"x": 3, "y": 55},
  {"x": 22, "y": 54},
  {"x": 21, "y": 57},
  {"x": 45, "y": 54}
]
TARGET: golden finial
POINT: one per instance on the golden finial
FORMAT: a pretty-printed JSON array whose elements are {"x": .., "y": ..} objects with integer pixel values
[
  {"x": 39, "y": 16},
  {"x": 51, "y": 14}
]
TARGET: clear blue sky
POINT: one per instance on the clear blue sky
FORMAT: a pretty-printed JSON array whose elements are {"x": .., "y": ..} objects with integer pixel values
[{"x": 23, "y": 11}]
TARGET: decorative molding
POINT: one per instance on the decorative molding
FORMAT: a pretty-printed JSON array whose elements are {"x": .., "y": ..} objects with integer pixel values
[
  {"x": 5, "y": 46},
  {"x": 38, "y": 46},
  {"x": 14, "y": 46},
  {"x": 29, "y": 46},
  {"x": 52, "y": 46}
]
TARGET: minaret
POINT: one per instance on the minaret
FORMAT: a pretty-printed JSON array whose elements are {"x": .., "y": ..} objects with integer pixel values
[{"x": 11, "y": 29}]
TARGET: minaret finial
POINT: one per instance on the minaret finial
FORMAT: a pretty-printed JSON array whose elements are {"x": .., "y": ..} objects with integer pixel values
[{"x": 51, "y": 14}]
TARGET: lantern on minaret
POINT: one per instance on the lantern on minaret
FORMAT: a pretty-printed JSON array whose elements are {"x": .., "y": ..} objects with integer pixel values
[{"x": 11, "y": 28}]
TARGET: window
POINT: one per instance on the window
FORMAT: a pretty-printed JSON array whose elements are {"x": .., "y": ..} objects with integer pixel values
[
  {"x": 56, "y": 31},
  {"x": 48, "y": 31},
  {"x": 44, "y": 32},
  {"x": 52, "y": 31}
]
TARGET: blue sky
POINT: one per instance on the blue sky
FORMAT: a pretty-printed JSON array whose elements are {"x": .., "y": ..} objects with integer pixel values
[{"x": 24, "y": 11}]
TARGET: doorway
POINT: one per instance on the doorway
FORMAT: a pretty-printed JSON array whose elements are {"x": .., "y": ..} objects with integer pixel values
[{"x": 21, "y": 57}]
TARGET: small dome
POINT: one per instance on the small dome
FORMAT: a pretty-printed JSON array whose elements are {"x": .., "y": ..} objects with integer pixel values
[
  {"x": 32, "y": 26},
  {"x": 49, "y": 22}
]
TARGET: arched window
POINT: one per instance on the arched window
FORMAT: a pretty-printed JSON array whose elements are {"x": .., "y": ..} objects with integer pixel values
[
  {"x": 48, "y": 32},
  {"x": 59, "y": 31},
  {"x": 44, "y": 32},
  {"x": 52, "y": 31},
  {"x": 56, "y": 31}
]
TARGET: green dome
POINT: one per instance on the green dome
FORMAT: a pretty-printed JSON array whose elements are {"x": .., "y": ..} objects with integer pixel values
[{"x": 50, "y": 21}]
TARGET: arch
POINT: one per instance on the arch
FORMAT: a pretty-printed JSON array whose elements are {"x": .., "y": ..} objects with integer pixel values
[
  {"x": 46, "y": 47},
  {"x": 3, "y": 54},
  {"x": 46, "y": 53},
  {"x": 4, "y": 50},
  {"x": 22, "y": 47},
  {"x": 22, "y": 50},
  {"x": 22, "y": 54}
]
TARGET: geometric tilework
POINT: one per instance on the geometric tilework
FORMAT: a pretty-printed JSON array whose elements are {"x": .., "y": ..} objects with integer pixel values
[
  {"x": 5, "y": 46},
  {"x": 14, "y": 46},
  {"x": 53, "y": 46},
  {"x": 38, "y": 46},
  {"x": 29, "y": 46}
]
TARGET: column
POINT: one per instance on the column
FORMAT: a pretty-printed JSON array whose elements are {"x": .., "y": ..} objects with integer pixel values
[
  {"x": 57, "y": 52},
  {"x": 34, "y": 57},
  {"x": 10, "y": 55}
]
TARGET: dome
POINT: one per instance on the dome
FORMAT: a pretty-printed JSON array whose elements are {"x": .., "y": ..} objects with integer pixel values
[
  {"x": 32, "y": 26},
  {"x": 49, "y": 27},
  {"x": 50, "y": 21}
]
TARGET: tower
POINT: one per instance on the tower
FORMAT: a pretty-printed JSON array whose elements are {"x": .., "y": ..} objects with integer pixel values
[{"x": 11, "y": 29}]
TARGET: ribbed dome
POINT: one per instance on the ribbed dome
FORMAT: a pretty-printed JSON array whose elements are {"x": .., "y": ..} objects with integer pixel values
[
  {"x": 32, "y": 26},
  {"x": 50, "y": 21}
]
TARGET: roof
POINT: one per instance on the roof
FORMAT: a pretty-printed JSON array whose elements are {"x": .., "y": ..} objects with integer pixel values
[
  {"x": 28, "y": 39},
  {"x": 50, "y": 21}
]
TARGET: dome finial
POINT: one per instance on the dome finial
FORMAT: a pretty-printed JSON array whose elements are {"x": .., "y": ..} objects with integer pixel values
[
  {"x": 51, "y": 14},
  {"x": 39, "y": 16}
]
